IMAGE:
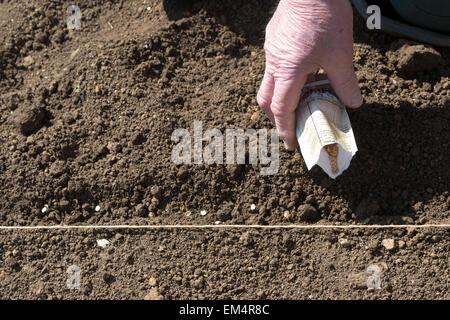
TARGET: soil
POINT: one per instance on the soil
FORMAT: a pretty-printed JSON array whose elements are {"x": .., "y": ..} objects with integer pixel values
[
  {"x": 87, "y": 117},
  {"x": 225, "y": 264}
]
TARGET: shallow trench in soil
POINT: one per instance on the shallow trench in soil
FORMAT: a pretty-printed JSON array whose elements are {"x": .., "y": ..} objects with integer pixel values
[{"x": 225, "y": 264}]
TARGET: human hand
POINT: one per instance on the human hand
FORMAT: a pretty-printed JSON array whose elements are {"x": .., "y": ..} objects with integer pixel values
[{"x": 301, "y": 37}]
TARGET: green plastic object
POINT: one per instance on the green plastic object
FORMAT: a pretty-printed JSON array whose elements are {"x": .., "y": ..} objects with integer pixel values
[{"x": 430, "y": 14}]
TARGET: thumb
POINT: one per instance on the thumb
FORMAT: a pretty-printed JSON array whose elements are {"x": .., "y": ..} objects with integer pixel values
[{"x": 344, "y": 82}]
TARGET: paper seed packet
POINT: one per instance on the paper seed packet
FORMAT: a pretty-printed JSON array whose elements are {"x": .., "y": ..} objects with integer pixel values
[{"x": 324, "y": 131}]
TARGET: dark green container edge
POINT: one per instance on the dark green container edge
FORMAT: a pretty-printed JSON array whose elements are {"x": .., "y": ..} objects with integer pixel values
[{"x": 430, "y": 14}]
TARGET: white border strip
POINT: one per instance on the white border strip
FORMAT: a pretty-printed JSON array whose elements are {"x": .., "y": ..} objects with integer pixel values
[{"x": 225, "y": 226}]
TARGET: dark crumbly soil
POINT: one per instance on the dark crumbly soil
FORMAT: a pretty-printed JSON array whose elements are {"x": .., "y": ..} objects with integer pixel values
[
  {"x": 225, "y": 264},
  {"x": 86, "y": 118}
]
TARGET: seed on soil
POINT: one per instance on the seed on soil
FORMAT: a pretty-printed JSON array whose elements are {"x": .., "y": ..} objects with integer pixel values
[
  {"x": 97, "y": 208},
  {"x": 217, "y": 222},
  {"x": 252, "y": 207},
  {"x": 287, "y": 215},
  {"x": 44, "y": 209},
  {"x": 102, "y": 243},
  {"x": 203, "y": 213}
]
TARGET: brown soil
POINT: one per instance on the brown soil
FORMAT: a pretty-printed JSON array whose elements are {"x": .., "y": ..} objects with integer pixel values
[
  {"x": 86, "y": 118},
  {"x": 87, "y": 115},
  {"x": 225, "y": 264}
]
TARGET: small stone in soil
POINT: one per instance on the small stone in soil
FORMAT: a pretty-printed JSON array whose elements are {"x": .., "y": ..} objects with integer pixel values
[
  {"x": 153, "y": 294},
  {"x": 344, "y": 243},
  {"x": 29, "y": 119},
  {"x": 152, "y": 282},
  {"x": 28, "y": 61},
  {"x": 389, "y": 244}
]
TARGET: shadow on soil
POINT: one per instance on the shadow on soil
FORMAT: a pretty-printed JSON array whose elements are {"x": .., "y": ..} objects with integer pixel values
[{"x": 402, "y": 163}]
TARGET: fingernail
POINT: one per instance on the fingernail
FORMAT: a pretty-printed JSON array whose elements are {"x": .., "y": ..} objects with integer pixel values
[{"x": 357, "y": 100}]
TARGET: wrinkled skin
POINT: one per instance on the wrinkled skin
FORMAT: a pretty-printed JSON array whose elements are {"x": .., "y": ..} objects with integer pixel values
[{"x": 302, "y": 36}]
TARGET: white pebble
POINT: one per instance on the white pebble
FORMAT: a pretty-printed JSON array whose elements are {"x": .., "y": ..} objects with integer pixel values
[
  {"x": 102, "y": 243},
  {"x": 252, "y": 207},
  {"x": 97, "y": 208},
  {"x": 203, "y": 212}
]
